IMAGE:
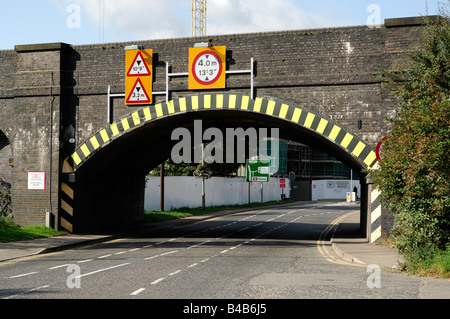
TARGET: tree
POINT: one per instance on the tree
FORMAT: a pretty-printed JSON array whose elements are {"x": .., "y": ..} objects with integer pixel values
[{"x": 414, "y": 173}]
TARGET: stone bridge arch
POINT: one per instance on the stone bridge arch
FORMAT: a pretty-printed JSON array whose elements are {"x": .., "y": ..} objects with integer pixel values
[{"x": 105, "y": 175}]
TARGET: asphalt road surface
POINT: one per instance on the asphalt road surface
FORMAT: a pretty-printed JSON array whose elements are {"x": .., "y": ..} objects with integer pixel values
[{"x": 261, "y": 254}]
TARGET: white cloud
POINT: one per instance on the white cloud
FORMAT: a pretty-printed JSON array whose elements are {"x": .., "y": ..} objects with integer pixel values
[
  {"x": 128, "y": 20},
  {"x": 241, "y": 16},
  {"x": 137, "y": 19}
]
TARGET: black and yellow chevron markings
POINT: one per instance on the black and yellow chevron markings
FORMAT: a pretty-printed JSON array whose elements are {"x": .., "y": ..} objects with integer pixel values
[
  {"x": 303, "y": 117},
  {"x": 66, "y": 204}
]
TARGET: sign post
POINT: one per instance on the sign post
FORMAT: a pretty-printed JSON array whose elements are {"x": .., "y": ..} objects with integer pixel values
[{"x": 257, "y": 171}]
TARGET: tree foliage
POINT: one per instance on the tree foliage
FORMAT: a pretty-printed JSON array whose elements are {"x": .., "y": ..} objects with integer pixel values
[{"x": 414, "y": 173}]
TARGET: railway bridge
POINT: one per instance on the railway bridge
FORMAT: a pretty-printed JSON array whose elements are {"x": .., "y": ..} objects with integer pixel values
[{"x": 71, "y": 146}]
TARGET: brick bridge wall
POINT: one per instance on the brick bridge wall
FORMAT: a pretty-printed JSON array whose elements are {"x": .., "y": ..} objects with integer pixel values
[{"x": 52, "y": 92}]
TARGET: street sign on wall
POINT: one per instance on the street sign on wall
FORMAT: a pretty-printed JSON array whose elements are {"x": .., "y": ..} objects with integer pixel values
[
  {"x": 257, "y": 171},
  {"x": 138, "y": 77},
  {"x": 207, "y": 67}
]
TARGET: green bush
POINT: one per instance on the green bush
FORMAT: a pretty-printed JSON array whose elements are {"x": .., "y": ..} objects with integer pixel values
[{"x": 414, "y": 173}]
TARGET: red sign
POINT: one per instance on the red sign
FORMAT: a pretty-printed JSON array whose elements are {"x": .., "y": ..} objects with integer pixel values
[
  {"x": 378, "y": 148},
  {"x": 282, "y": 182}
]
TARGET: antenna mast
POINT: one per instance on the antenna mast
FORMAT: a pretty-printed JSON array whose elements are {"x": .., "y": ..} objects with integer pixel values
[{"x": 198, "y": 18}]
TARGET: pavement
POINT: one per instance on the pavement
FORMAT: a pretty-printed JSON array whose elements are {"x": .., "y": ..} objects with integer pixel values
[{"x": 346, "y": 242}]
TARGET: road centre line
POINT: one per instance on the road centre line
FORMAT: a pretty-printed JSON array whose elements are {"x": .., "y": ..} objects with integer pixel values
[
  {"x": 137, "y": 292},
  {"x": 196, "y": 245},
  {"x": 83, "y": 261},
  {"x": 157, "y": 281},
  {"x": 60, "y": 266},
  {"x": 163, "y": 254},
  {"x": 23, "y": 275},
  {"x": 100, "y": 270}
]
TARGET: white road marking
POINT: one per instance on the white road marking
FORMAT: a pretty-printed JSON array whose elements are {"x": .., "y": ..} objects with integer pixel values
[
  {"x": 22, "y": 275},
  {"x": 137, "y": 292},
  {"x": 204, "y": 242},
  {"x": 60, "y": 266},
  {"x": 100, "y": 270},
  {"x": 164, "y": 254},
  {"x": 83, "y": 261},
  {"x": 157, "y": 281}
]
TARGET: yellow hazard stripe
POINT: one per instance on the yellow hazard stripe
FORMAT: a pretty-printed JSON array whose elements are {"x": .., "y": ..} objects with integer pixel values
[
  {"x": 283, "y": 111},
  {"x": 245, "y": 101},
  {"x": 296, "y": 115}
]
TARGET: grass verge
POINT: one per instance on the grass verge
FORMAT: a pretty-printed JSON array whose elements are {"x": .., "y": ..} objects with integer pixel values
[
  {"x": 154, "y": 216},
  {"x": 9, "y": 231},
  {"x": 438, "y": 265}
]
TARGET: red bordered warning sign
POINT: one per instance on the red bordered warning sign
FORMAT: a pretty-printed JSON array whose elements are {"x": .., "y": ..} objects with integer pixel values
[
  {"x": 139, "y": 67},
  {"x": 207, "y": 68},
  {"x": 138, "y": 94},
  {"x": 378, "y": 148},
  {"x": 138, "y": 77}
]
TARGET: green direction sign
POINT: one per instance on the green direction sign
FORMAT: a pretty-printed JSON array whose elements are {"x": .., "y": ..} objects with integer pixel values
[{"x": 257, "y": 171}]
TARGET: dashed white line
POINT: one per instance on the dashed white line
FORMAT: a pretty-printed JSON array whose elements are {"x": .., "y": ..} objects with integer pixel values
[
  {"x": 83, "y": 261},
  {"x": 204, "y": 242},
  {"x": 175, "y": 272},
  {"x": 120, "y": 253},
  {"x": 60, "y": 266},
  {"x": 157, "y": 281},
  {"x": 100, "y": 270},
  {"x": 164, "y": 254},
  {"x": 22, "y": 275},
  {"x": 105, "y": 256},
  {"x": 137, "y": 292}
]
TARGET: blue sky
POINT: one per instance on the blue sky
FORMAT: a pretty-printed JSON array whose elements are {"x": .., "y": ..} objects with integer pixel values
[{"x": 93, "y": 21}]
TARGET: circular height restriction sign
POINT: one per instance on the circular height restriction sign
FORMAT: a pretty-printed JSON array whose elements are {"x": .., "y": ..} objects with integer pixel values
[{"x": 207, "y": 68}]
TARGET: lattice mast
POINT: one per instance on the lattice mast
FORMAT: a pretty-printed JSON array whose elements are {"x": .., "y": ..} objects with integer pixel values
[{"x": 198, "y": 18}]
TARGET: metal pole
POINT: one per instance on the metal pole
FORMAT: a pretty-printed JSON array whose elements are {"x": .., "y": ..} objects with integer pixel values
[
  {"x": 108, "y": 114},
  {"x": 203, "y": 180},
  {"x": 261, "y": 192},
  {"x": 167, "y": 81},
  {"x": 251, "y": 78}
]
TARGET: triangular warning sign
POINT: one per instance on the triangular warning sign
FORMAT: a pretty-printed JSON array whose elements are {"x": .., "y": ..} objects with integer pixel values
[
  {"x": 138, "y": 94},
  {"x": 138, "y": 67}
]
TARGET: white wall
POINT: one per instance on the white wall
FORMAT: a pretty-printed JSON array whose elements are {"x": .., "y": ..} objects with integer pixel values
[
  {"x": 333, "y": 189},
  {"x": 186, "y": 191}
]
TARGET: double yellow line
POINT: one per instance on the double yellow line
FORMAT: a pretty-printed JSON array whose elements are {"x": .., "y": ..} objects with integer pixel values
[{"x": 323, "y": 242}]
